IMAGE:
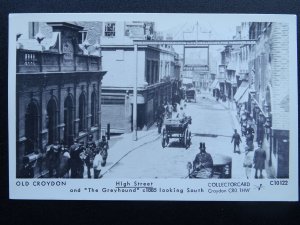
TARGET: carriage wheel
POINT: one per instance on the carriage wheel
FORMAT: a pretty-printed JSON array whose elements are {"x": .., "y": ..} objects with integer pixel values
[{"x": 186, "y": 136}]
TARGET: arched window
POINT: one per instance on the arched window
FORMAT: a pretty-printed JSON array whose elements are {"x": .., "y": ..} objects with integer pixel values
[
  {"x": 31, "y": 127},
  {"x": 93, "y": 109},
  {"x": 82, "y": 112},
  {"x": 68, "y": 120},
  {"x": 52, "y": 121}
]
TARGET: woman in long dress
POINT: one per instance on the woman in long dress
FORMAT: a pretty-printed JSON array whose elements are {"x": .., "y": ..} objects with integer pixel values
[{"x": 248, "y": 161}]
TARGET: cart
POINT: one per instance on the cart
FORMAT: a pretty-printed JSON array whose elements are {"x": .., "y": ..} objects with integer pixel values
[
  {"x": 178, "y": 129},
  {"x": 190, "y": 95}
]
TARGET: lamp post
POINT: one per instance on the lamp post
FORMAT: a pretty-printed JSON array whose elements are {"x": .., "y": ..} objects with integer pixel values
[{"x": 135, "y": 137}]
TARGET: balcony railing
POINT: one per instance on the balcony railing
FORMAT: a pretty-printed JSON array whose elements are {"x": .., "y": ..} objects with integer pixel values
[{"x": 29, "y": 61}]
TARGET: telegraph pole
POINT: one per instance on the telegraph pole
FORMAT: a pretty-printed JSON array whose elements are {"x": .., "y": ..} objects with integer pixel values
[{"x": 135, "y": 95}]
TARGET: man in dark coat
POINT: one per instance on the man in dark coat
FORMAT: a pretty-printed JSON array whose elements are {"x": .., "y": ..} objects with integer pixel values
[
  {"x": 103, "y": 145},
  {"x": 51, "y": 160},
  {"x": 203, "y": 162},
  {"x": 236, "y": 139},
  {"x": 259, "y": 160},
  {"x": 90, "y": 154},
  {"x": 27, "y": 170},
  {"x": 76, "y": 161},
  {"x": 160, "y": 115}
]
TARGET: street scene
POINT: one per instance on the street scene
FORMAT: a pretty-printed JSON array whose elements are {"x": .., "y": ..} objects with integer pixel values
[{"x": 152, "y": 99}]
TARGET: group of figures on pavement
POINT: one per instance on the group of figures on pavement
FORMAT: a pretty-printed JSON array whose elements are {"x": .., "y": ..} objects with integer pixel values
[
  {"x": 257, "y": 160},
  {"x": 63, "y": 162}
]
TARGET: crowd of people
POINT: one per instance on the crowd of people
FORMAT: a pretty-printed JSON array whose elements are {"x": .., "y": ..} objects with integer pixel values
[
  {"x": 255, "y": 157},
  {"x": 71, "y": 162}
]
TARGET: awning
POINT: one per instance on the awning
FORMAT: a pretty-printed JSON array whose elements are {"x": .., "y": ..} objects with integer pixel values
[
  {"x": 244, "y": 97},
  {"x": 242, "y": 92},
  {"x": 215, "y": 85}
]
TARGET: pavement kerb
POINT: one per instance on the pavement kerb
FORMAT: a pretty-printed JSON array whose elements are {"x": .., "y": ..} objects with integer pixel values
[{"x": 138, "y": 145}]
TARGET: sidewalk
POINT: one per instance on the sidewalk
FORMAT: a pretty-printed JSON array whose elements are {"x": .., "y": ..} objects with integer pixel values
[
  {"x": 122, "y": 147},
  {"x": 237, "y": 159}
]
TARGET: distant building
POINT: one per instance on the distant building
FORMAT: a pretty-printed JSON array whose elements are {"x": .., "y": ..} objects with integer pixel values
[
  {"x": 58, "y": 89},
  {"x": 156, "y": 68}
]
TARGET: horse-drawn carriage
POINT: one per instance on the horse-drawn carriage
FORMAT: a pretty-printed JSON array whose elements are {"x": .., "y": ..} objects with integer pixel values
[
  {"x": 222, "y": 169},
  {"x": 177, "y": 128},
  {"x": 190, "y": 95}
]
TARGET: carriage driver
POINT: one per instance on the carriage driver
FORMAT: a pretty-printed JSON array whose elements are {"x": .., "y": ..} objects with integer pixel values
[
  {"x": 203, "y": 162},
  {"x": 181, "y": 114}
]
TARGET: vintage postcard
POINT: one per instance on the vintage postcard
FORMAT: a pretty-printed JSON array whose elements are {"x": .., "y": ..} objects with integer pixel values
[{"x": 153, "y": 107}]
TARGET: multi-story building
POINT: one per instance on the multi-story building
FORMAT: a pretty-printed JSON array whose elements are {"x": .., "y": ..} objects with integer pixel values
[
  {"x": 242, "y": 72},
  {"x": 156, "y": 68},
  {"x": 269, "y": 102},
  {"x": 58, "y": 89}
]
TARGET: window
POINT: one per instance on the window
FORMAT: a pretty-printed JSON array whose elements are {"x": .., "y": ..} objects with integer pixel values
[
  {"x": 110, "y": 29},
  {"x": 33, "y": 29},
  {"x": 113, "y": 100},
  {"x": 148, "y": 71},
  {"x": 52, "y": 120},
  {"x": 82, "y": 112},
  {"x": 93, "y": 110},
  {"x": 31, "y": 127}
]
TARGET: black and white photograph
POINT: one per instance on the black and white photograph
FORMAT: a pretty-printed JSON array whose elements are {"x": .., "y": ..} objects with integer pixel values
[{"x": 131, "y": 99}]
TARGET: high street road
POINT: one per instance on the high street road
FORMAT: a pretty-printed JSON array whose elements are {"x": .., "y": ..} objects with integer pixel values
[{"x": 212, "y": 123}]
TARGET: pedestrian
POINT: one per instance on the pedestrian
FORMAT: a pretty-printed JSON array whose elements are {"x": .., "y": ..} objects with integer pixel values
[
  {"x": 27, "y": 170},
  {"x": 57, "y": 152},
  {"x": 51, "y": 160},
  {"x": 248, "y": 161},
  {"x": 169, "y": 110},
  {"x": 89, "y": 155},
  {"x": 236, "y": 139},
  {"x": 64, "y": 163},
  {"x": 249, "y": 140},
  {"x": 203, "y": 163},
  {"x": 103, "y": 145},
  {"x": 76, "y": 161},
  {"x": 259, "y": 160},
  {"x": 97, "y": 164},
  {"x": 160, "y": 115},
  {"x": 82, "y": 157},
  {"x": 181, "y": 114}
]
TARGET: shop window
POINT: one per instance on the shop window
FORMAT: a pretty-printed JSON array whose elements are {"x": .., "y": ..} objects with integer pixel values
[{"x": 110, "y": 29}]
